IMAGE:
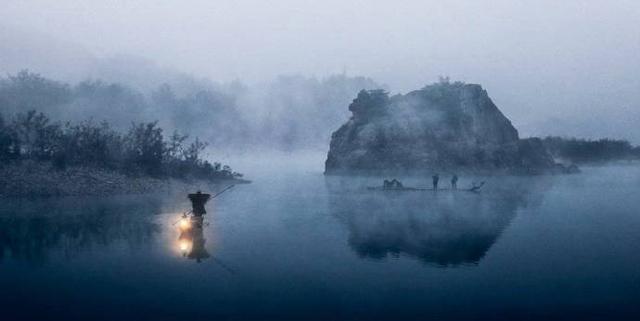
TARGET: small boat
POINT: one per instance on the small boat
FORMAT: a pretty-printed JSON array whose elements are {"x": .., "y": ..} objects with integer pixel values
[
  {"x": 474, "y": 188},
  {"x": 400, "y": 189}
]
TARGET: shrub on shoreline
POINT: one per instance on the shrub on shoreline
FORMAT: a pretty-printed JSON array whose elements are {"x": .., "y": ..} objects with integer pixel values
[
  {"x": 584, "y": 151},
  {"x": 142, "y": 151}
]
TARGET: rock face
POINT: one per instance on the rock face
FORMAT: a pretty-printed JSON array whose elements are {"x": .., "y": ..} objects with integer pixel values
[{"x": 444, "y": 126}]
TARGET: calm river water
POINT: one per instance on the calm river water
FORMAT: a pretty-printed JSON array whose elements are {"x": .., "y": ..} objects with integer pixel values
[{"x": 297, "y": 245}]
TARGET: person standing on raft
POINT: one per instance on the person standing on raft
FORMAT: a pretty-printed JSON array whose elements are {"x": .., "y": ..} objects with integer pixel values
[
  {"x": 435, "y": 180},
  {"x": 197, "y": 203},
  {"x": 454, "y": 182}
]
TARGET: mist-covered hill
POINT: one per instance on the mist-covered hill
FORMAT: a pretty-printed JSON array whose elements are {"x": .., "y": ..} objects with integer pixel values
[
  {"x": 70, "y": 83},
  {"x": 66, "y": 61},
  {"x": 590, "y": 101},
  {"x": 291, "y": 112}
]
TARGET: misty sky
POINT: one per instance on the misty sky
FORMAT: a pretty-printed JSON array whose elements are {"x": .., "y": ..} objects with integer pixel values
[{"x": 541, "y": 61}]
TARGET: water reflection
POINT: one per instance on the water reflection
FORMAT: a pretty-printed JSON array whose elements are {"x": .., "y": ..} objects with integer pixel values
[
  {"x": 443, "y": 228},
  {"x": 31, "y": 230},
  {"x": 191, "y": 242}
]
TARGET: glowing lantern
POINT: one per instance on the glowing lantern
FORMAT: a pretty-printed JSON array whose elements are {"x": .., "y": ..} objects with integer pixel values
[{"x": 184, "y": 223}]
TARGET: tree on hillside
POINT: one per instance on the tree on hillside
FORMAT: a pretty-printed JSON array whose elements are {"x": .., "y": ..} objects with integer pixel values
[
  {"x": 36, "y": 134},
  {"x": 9, "y": 146},
  {"x": 369, "y": 103},
  {"x": 144, "y": 147},
  {"x": 30, "y": 91}
]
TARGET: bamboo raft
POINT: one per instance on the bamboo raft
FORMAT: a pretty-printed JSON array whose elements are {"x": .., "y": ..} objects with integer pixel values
[{"x": 473, "y": 189}]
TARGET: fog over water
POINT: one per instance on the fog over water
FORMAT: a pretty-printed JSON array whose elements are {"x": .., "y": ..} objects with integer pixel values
[
  {"x": 563, "y": 68},
  {"x": 297, "y": 245}
]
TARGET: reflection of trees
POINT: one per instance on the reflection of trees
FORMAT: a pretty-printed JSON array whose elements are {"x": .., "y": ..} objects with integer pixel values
[
  {"x": 444, "y": 228},
  {"x": 31, "y": 230}
]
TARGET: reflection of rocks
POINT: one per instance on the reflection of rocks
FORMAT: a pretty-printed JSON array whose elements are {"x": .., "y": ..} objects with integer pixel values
[
  {"x": 30, "y": 230},
  {"x": 444, "y": 228},
  {"x": 440, "y": 236}
]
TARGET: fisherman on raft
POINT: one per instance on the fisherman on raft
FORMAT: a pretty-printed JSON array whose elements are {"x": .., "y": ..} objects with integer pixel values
[
  {"x": 435, "y": 178},
  {"x": 197, "y": 203},
  {"x": 454, "y": 182}
]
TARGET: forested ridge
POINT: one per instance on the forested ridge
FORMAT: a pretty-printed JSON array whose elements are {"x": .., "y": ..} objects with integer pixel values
[{"x": 291, "y": 112}]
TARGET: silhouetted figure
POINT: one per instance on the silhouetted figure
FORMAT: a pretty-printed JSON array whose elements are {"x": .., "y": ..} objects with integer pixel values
[
  {"x": 197, "y": 203},
  {"x": 387, "y": 184},
  {"x": 454, "y": 182},
  {"x": 435, "y": 180}
]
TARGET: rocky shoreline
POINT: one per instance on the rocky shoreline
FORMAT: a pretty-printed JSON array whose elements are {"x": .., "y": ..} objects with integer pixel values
[{"x": 41, "y": 179}]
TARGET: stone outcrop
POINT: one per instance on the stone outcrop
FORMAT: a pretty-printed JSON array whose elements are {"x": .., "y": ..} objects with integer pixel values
[{"x": 444, "y": 126}]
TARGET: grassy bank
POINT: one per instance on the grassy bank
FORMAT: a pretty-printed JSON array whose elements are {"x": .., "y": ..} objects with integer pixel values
[{"x": 38, "y": 179}]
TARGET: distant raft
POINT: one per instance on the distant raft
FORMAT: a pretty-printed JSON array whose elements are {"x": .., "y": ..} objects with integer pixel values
[
  {"x": 401, "y": 189},
  {"x": 474, "y": 188}
]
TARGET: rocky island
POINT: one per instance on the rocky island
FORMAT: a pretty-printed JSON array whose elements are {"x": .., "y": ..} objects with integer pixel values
[{"x": 443, "y": 126}]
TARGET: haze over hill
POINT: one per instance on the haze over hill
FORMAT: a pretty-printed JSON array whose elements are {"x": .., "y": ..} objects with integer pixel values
[{"x": 555, "y": 68}]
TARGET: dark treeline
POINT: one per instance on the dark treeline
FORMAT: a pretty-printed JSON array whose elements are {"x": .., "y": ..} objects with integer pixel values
[
  {"x": 582, "y": 151},
  {"x": 142, "y": 150},
  {"x": 289, "y": 113}
]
